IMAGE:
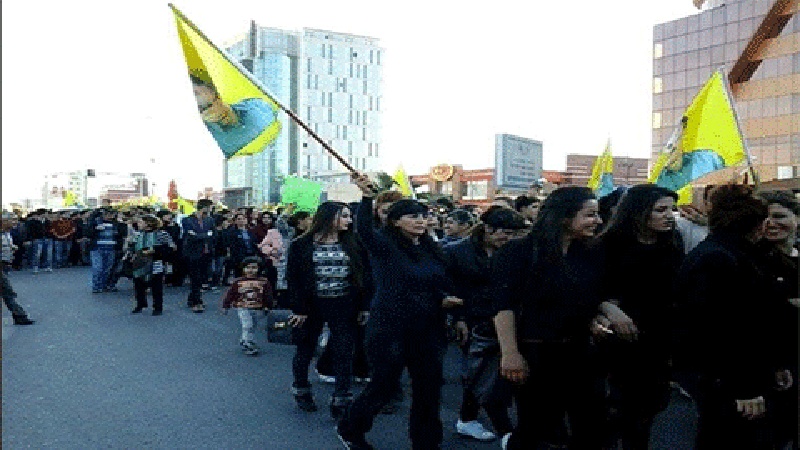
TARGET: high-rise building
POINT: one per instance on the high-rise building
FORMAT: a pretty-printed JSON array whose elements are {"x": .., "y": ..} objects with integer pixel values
[
  {"x": 332, "y": 81},
  {"x": 757, "y": 42}
]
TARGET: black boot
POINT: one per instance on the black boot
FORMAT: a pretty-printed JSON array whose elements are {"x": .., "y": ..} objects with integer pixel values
[
  {"x": 23, "y": 320},
  {"x": 339, "y": 406},
  {"x": 304, "y": 399},
  {"x": 137, "y": 310}
]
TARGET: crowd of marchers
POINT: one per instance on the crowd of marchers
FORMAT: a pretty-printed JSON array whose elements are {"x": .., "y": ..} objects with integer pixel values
[{"x": 577, "y": 318}]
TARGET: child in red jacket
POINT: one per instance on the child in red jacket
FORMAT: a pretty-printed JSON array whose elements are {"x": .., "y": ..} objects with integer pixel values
[{"x": 249, "y": 294}]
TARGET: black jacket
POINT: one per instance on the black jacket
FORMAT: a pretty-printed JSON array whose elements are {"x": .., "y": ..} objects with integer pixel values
[
  {"x": 468, "y": 267},
  {"x": 301, "y": 278},
  {"x": 551, "y": 303},
  {"x": 726, "y": 316},
  {"x": 201, "y": 241},
  {"x": 239, "y": 249}
]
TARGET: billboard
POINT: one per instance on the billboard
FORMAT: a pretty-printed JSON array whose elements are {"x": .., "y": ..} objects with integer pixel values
[{"x": 518, "y": 162}]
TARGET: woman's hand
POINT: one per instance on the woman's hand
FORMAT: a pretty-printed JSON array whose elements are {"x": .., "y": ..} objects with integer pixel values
[
  {"x": 513, "y": 367},
  {"x": 451, "y": 302},
  {"x": 462, "y": 332},
  {"x": 601, "y": 326},
  {"x": 752, "y": 408},
  {"x": 620, "y": 322},
  {"x": 297, "y": 320},
  {"x": 362, "y": 318},
  {"x": 364, "y": 183}
]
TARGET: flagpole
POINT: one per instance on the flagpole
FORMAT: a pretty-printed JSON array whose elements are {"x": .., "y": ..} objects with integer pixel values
[
  {"x": 258, "y": 84},
  {"x": 726, "y": 83}
]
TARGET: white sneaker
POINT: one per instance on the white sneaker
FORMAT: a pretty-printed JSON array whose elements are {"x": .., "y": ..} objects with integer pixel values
[
  {"x": 327, "y": 378},
  {"x": 475, "y": 430},
  {"x": 504, "y": 442}
]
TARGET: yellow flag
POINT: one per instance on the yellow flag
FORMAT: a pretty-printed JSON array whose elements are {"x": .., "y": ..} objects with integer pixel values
[
  {"x": 241, "y": 117},
  {"x": 602, "y": 179},
  {"x": 709, "y": 139},
  {"x": 401, "y": 178},
  {"x": 185, "y": 206}
]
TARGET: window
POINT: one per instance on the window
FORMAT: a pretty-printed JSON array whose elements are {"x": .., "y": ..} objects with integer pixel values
[
  {"x": 323, "y": 98},
  {"x": 323, "y": 50},
  {"x": 309, "y": 64},
  {"x": 330, "y": 67},
  {"x": 330, "y": 115},
  {"x": 364, "y": 134},
  {"x": 308, "y": 115},
  {"x": 378, "y": 103},
  {"x": 364, "y": 72},
  {"x": 658, "y": 51},
  {"x": 350, "y": 118},
  {"x": 658, "y": 85},
  {"x": 369, "y": 149},
  {"x": 344, "y": 132},
  {"x": 308, "y": 82},
  {"x": 379, "y": 57},
  {"x": 371, "y": 54},
  {"x": 656, "y": 120},
  {"x": 316, "y": 81},
  {"x": 364, "y": 118},
  {"x": 330, "y": 162},
  {"x": 351, "y": 70},
  {"x": 350, "y": 149},
  {"x": 370, "y": 103},
  {"x": 330, "y": 98},
  {"x": 330, "y": 51},
  {"x": 351, "y": 100},
  {"x": 376, "y": 150},
  {"x": 365, "y": 87}
]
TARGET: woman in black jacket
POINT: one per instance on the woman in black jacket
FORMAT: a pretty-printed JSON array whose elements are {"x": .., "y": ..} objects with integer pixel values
[
  {"x": 547, "y": 288},
  {"x": 407, "y": 325},
  {"x": 780, "y": 246},
  {"x": 325, "y": 278},
  {"x": 241, "y": 243},
  {"x": 727, "y": 315},
  {"x": 469, "y": 267},
  {"x": 643, "y": 253}
]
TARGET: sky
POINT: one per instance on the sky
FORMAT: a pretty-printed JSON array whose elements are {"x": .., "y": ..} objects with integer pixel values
[{"x": 102, "y": 85}]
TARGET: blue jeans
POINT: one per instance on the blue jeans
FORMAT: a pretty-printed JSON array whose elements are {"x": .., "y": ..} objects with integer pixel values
[
  {"x": 42, "y": 248},
  {"x": 217, "y": 270},
  {"x": 102, "y": 263},
  {"x": 62, "y": 249}
]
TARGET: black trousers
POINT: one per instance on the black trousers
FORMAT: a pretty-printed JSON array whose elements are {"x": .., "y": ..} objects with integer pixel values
[
  {"x": 156, "y": 283},
  {"x": 340, "y": 314},
  {"x": 198, "y": 275},
  {"x": 561, "y": 383},
  {"x": 392, "y": 345}
]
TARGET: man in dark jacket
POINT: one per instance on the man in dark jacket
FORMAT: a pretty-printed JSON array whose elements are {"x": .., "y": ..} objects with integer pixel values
[{"x": 198, "y": 247}]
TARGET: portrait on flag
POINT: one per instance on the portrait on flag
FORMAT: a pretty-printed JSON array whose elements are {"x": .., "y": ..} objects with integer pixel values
[{"x": 238, "y": 113}]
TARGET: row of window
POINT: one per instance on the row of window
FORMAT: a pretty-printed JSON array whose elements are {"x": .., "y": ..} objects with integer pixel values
[
  {"x": 374, "y": 55},
  {"x": 717, "y": 17},
  {"x": 746, "y": 109},
  {"x": 731, "y": 32}
]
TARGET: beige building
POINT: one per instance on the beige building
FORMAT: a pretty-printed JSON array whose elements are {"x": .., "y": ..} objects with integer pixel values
[{"x": 757, "y": 42}]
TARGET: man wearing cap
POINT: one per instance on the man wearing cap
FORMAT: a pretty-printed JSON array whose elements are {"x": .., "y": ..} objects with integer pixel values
[{"x": 198, "y": 246}]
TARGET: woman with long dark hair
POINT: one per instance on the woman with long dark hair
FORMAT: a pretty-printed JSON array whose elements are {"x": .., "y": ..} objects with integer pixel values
[
  {"x": 780, "y": 246},
  {"x": 547, "y": 288},
  {"x": 325, "y": 278},
  {"x": 407, "y": 324},
  {"x": 152, "y": 246},
  {"x": 643, "y": 253},
  {"x": 727, "y": 329}
]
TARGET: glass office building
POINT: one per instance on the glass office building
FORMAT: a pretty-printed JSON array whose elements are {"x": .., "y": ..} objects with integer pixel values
[
  {"x": 332, "y": 81},
  {"x": 758, "y": 44}
]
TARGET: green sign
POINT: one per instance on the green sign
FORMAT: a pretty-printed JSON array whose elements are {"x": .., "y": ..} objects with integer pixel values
[{"x": 304, "y": 193}]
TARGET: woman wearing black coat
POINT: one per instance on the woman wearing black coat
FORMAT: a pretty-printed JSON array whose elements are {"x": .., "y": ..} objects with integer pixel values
[
  {"x": 406, "y": 327},
  {"x": 325, "y": 278},
  {"x": 727, "y": 337},
  {"x": 643, "y": 253}
]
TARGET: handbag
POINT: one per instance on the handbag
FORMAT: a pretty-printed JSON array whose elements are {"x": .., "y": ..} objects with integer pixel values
[{"x": 278, "y": 329}]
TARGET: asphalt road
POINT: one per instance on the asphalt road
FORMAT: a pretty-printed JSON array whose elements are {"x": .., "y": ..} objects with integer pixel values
[{"x": 90, "y": 375}]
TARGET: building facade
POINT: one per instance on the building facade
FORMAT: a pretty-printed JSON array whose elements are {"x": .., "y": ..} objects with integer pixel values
[
  {"x": 627, "y": 171},
  {"x": 757, "y": 42},
  {"x": 56, "y": 185},
  {"x": 332, "y": 81}
]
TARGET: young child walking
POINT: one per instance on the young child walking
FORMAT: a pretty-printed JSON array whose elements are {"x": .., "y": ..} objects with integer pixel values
[{"x": 248, "y": 295}]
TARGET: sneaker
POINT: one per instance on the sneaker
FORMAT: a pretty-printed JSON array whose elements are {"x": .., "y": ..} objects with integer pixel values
[
  {"x": 49, "y": 269},
  {"x": 137, "y": 310},
  {"x": 504, "y": 441},
  {"x": 249, "y": 348},
  {"x": 353, "y": 443},
  {"x": 36, "y": 271},
  {"x": 198, "y": 309},
  {"x": 97, "y": 291},
  {"x": 214, "y": 288},
  {"x": 327, "y": 379},
  {"x": 112, "y": 289},
  {"x": 339, "y": 406},
  {"x": 474, "y": 430},
  {"x": 361, "y": 380}
]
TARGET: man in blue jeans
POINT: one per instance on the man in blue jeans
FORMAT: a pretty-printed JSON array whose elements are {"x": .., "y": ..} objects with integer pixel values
[
  {"x": 102, "y": 233},
  {"x": 199, "y": 235},
  {"x": 41, "y": 244}
]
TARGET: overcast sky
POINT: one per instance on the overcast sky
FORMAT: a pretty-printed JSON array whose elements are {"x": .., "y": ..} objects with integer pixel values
[{"x": 103, "y": 85}]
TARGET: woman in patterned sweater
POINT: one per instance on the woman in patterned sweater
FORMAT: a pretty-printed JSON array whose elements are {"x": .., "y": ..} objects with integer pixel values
[{"x": 325, "y": 278}]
